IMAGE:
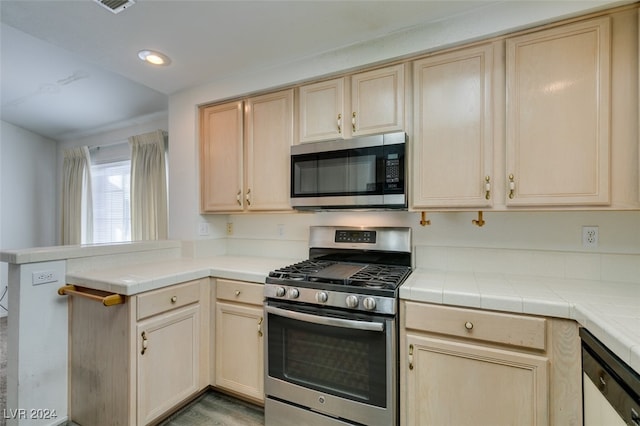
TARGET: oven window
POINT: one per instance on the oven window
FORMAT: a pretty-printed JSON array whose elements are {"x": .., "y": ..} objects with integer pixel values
[{"x": 339, "y": 361}]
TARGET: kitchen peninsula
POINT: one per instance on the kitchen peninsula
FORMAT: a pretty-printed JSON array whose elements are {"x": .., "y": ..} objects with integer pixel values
[{"x": 606, "y": 307}]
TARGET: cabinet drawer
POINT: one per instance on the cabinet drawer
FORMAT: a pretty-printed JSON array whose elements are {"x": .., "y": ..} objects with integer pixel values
[
  {"x": 238, "y": 291},
  {"x": 509, "y": 329},
  {"x": 158, "y": 301}
]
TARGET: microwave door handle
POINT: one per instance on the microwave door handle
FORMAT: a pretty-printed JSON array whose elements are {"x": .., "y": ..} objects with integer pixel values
[{"x": 335, "y": 322}]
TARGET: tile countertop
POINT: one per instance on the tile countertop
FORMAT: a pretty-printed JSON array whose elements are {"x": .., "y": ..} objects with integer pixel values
[
  {"x": 609, "y": 310},
  {"x": 134, "y": 279}
]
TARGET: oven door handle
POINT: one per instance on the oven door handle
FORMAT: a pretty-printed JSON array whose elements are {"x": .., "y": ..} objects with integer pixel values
[{"x": 330, "y": 321}]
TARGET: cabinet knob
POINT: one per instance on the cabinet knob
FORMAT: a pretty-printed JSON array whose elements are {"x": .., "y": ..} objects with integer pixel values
[
  {"x": 468, "y": 325},
  {"x": 174, "y": 299},
  {"x": 238, "y": 293},
  {"x": 238, "y": 197}
]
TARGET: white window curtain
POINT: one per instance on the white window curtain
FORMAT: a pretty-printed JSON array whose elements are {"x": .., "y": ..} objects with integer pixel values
[
  {"x": 77, "y": 211},
  {"x": 148, "y": 187}
]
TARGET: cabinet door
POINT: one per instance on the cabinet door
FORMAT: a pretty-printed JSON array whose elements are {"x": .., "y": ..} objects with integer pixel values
[
  {"x": 221, "y": 158},
  {"x": 239, "y": 349},
  {"x": 455, "y": 383},
  {"x": 269, "y": 139},
  {"x": 558, "y": 113},
  {"x": 168, "y": 361},
  {"x": 321, "y": 111},
  {"x": 453, "y": 137},
  {"x": 377, "y": 101}
]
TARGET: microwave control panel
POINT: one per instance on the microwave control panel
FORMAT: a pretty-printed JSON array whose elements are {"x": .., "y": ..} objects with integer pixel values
[{"x": 392, "y": 168}]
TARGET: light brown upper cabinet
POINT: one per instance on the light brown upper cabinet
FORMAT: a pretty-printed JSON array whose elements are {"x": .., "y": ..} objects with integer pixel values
[
  {"x": 322, "y": 111},
  {"x": 362, "y": 104},
  {"x": 453, "y": 129},
  {"x": 558, "y": 130},
  {"x": 244, "y": 154}
]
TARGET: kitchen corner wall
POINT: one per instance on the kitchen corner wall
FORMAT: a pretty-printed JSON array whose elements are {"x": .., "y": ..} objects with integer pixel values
[
  {"x": 499, "y": 18},
  {"x": 450, "y": 235}
]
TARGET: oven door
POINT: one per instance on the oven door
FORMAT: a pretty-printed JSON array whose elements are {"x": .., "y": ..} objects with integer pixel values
[{"x": 341, "y": 364}]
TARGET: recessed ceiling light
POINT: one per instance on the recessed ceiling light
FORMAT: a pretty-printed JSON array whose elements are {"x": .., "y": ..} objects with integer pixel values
[{"x": 154, "y": 57}]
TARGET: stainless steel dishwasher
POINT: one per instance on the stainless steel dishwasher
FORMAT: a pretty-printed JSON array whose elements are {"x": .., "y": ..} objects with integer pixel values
[{"x": 611, "y": 388}]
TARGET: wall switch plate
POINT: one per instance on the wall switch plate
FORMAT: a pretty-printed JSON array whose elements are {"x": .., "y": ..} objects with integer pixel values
[
  {"x": 203, "y": 229},
  {"x": 229, "y": 228},
  {"x": 43, "y": 277},
  {"x": 590, "y": 236}
]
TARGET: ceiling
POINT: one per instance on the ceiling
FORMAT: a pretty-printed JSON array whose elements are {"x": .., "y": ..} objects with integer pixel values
[{"x": 70, "y": 68}]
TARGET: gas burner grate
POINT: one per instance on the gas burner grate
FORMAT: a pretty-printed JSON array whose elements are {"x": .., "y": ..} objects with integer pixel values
[
  {"x": 380, "y": 276},
  {"x": 374, "y": 276},
  {"x": 301, "y": 270}
]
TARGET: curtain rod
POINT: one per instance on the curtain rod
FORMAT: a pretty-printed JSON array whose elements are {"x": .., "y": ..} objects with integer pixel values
[{"x": 121, "y": 142}]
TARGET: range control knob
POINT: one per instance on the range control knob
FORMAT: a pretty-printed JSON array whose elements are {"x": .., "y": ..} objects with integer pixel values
[
  {"x": 321, "y": 296},
  {"x": 369, "y": 303},
  {"x": 352, "y": 301},
  {"x": 293, "y": 293},
  {"x": 280, "y": 292}
]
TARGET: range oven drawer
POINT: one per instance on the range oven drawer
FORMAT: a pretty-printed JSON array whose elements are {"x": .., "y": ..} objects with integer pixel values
[{"x": 288, "y": 415}]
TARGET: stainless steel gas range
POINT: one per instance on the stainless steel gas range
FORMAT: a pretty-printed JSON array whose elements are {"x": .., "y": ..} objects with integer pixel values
[{"x": 332, "y": 330}]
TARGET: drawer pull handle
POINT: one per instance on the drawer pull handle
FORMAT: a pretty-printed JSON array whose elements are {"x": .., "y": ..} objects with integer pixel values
[
  {"x": 144, "y": 343},
  {"x": 468, "y": 325},
  {"x": 174, "y": 299},
  {"x": 238, "y": 293},
  {"x": 260, "y": 326}
]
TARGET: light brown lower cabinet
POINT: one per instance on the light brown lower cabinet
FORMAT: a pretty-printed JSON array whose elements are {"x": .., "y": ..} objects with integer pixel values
[
  {"x": 133, "y": 363},
  {"x": 474, "y": 367},
  {"x": 239, "y": 360}
]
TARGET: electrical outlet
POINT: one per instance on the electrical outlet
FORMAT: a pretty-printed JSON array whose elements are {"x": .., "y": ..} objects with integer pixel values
[
  {"x": 43, "y": 277},
  {"x": 280, "y": 229},
  {"x": 590, "y": 236},
  {"x": 229, "y": 228}
]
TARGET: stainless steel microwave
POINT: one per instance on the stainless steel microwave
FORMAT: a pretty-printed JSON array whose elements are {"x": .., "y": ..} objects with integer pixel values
[{"x": 360, "y": 173}]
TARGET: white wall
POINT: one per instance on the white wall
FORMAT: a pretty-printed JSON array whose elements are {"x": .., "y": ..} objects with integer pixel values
[{"x": 27, "y": 192}]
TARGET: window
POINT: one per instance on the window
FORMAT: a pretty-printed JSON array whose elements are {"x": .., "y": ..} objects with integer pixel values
[{"x": 111, "y": 207}]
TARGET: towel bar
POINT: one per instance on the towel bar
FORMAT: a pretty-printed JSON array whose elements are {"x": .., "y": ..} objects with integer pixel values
[{"x": 107, "y": 299}]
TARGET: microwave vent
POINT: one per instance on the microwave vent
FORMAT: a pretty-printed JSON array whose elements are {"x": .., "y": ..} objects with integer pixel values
[{"x": 115, "y": 6}]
